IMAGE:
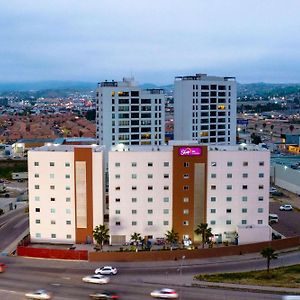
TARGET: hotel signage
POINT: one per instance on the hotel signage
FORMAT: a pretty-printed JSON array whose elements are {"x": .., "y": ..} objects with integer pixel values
[{"x": 190, "y": 151}]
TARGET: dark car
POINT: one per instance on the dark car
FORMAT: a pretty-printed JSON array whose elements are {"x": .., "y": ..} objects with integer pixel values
[{"x": 104, "y": 295}]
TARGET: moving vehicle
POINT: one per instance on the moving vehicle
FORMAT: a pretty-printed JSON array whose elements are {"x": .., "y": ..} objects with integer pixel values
[
  {"x": 104, "y": 295},
  {"x": 273, "y": 218},
  {"x": 164, "y": 294},
  {"x": 2, "y": 267},
  {"x": 106, "y": 270},
  {"x": 39, "y": 294},
  {"x": 100, "y": 279},
  {"x": 286, "y": 207}
]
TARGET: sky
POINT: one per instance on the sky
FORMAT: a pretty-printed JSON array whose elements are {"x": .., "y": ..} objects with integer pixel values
[{"x": 152, "y": 40}]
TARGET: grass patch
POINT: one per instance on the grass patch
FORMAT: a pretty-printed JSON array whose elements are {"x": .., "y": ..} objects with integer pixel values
[{"x": 282, "y": 277}]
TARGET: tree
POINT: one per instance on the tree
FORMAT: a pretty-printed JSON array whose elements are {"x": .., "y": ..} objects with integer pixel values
[
  {"x": 100, "y": 234},
  {"x": 264, "y": 125},
  {"x": 205, "y": 232},
  {"x": 269, "y": 254},
  {"x": 291, "y": 127},
  {"x": 136, "y": 237},
  {"x": 171, "y": 237},
  {"x": 256, "y": 139}
]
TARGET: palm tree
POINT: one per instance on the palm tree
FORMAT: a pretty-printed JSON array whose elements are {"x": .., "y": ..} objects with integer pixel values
[
  {"x": 205, "y": 232},
  {"x": 136, "y": 238},
  {"x": 171, "y": 237},
  {"x": 269, "y": 254},
  {"x": 100, "y": 234}
]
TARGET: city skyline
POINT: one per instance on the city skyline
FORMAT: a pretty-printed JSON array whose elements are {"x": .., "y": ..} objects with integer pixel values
[{"x": 153, "y": 41}]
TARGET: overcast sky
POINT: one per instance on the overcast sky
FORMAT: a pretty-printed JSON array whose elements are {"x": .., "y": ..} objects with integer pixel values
[{"x": 155, "y": 40}]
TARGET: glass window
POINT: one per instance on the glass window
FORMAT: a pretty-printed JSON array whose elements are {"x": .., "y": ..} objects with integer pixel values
[
  {"x": 117, "y": 164},
  {"x": 229, "y": 175},
  {"x": 213, "y": 175},
  {"x": 166, "y": 223},
  {"x": 52, "y": 164},
  {"x": 261, "y": 163},
  {"x": 150, "y": 199},
  {"x": 133, "y": 223},
  {"x": 245, "y": 175},
  {"x": 166, "y": 199},
  {"x": 213, "y": 199},
  {"x": 166, "y": 175},
  {"x": 186, "y": 164},
  {"x": 185, "y": 211},
  {"x": 134, "y": 211},
  {"x": 52, "y": 199},
  {"x": 36, "y": 175},
  {"x": 53, "y": 235},
  {"x": 150, "y": 176},
  {"x": 68, "y": 222},
  {"x": 244, "y": 198},
  {"x": 134, "y": 176},
  {"x": 185, "y": 223},
  {"x": 68, "y": 236},
  {"x": 244, "y": 222},
  {"x": 67, "y": 176},
  {"x": 133, "y": 164},
  {"x": 52, "y": 187},
  {"x": 166, "y": 164},
  {"x": 261, "y": 175},
  {"x": 36, "y": 163},
  {"x": 213, "y": 164},
  {"x": 52, "y": 210},
  {"x": 53, "y": 222},
  {"x": 118, "y": 223},
  {"x": 51, "y": 175},
  {"x": 67, "y": 188},
  {"x": 244, "y": 210},
  {"x": 245, "y": 163},
  {"x": 150, "y": 223},
  {"x": 260, "y": 198},
  {"x": 68, "y": 199},
  {"x": 260, "y": 210},
  {"x": 228, "y": 222},
  {"x": 68, "y": 211},
  {"x": 134, "y": 188},
  {"x": 37, "y": 235},
  {"x": 36, "y": 187},
  {"x": 229, "y": 187},
  {"x": 150, "y": 164},
  {"x": 117, "y": 176},
  {"x": 133, "y": 200},
  {"x": 166, "y": 211},
  {"x": 185, "y": 199},
  {"x": 37, "y": 198},
  {"x": 38, "y": 221},
  {"x": 150, "y": 211},
  {"x": 229, "y": 164},
  {"x": 166, "y": 187},
  {"x": 67, "y": 164},
  {"x": 212, "y": 222},
  {"x": 117, "y": 212},
  {"x": 261, "y": 187},
  {"x": 244, "y": 187},
  {"x": 228, "y": 210},
  {"x": 212, "y": 210},
  {"x": 260, "y": 222},
  {"x": 37, "y": 209},
  {"x": 150, "y": 187},
  {"x": 213, "y": 187},
  {"x": 228, "y": 199}
]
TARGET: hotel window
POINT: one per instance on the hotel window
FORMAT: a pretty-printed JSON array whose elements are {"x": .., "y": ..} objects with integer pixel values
[
  {"x": 68, "y": 222},
  {"x": 133, "y": 223},
  {"x": 52, "y": 164},
  {"x": 166, "y": 211},
  {"x": 213, "y": 175},
  {"x": 228, "y": 199},
  {"x": 117, "y": 212},
  {"x": 213, "y": 164},
  {"x": 185, "y": 199},
  {"x": 261, "y": 163},
  {"x": 228, "y": 222},
  {"x": 67, "y": 176},
  {"x": 229, "y": 164},
  {"x": 228, "y": 210},
  {"x": 260, "y": 210},
  {"x": 38, "y": 221},
  {"x": 260, "y": 198},
  {"x": 186, "y": 176},
  {"x": 36, "y": 175},
  {"x": 260, "y": 222},
  {"x": 133, "y": 164},
  {"x": 185, "y": 211},
  {"x": 185, "y": 223},
  {"x": 68, "y": 199},
  {"x": 134, "y": 176},
  {"x": 166, "y": 199},
  {"x": 51, "y": 175},
  {"x": 150, "y": 176},
  {"x": 245, "y": 198},
  {"x": 185, "y": 187},
  {"x": 68, "y": 211},
  {"x": 245, "y": 163},
  {"x": 37, "y": 235},
  {"x": 67, "y": 188},
  {"x": 166, "y": 175},
  {"x": 52, "y": 187},
  {"x": 68, "y": 236},
  {"x": 37, "y": 198},
  {"x": 213, "y": 199},
  {"x": 150, "y": 223},
  {"x": 53, "y": 235},
  {"x": 229, "y": 187},
  {"x": 150, "y": 187},
  {"x": 52, "y": 210},
  {"x": 212, "y": 222},
  {"x": 37, "y": 209},
  {"x": 132, "y": 200},
  {"x": 117, "y": 176},
  {"x": 166, "y": 187},
  {"x": 117, "y": 188},
  {"x": 67, "y": 164},
  {"x": 261, "y": 187},
  {"x": 118, "y": 223},
  {"x": 212, "y": 210},
  {"x": 244, "y": 222},
  {"x": 213, "y": 187},
  {"x": 186, "y": 164},
  {"x": 52, "y": 222},
  {"x": 150, "y": 164},
  {"x": 52, "y": 199},
  {"x": 245, "y": 187},
  {"x": 150, "y": 199},
  {"x": 36, "y": 163},
  {"x": 150, "y": 211},
  {"x": 36, "y": 187},
  {"x": 244, "y": 210},
  {"x": 166, "y": 164},
  {"x": 261, "y": 175},
  {"x": 117, "y": 164},
  {"x": 229, "y": 175},
  {"x": 245, "y": 175},
  {"x": 166, "y": 223}
]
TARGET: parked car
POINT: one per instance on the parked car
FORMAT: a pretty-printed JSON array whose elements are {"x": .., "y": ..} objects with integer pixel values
[
  {"x": 272, "y": 189},
  {"x": 286, "y": 207},
  {"x": 100, "y": 279},
  {"x": 164, "y": 294},
  {"x": 277, "y": 193},
  {"x": 106, "y": 270},
  {"x": 104, "y": 295},
  {"x": 273, "y": 218},
  {"x": 39, "y": 294}
]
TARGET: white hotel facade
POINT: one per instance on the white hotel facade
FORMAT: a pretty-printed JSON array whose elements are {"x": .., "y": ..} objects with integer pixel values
[{"x": 152, "y": 189}]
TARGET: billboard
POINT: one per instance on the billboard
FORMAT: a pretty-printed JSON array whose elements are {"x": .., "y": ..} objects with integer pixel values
[{"x": 190, "y": 151}]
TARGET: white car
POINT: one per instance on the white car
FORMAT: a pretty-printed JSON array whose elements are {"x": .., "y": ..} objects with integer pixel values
[
  {"x": 39, "y": 294},
  {"x": 286, "y": 207},
  {"x": 164, "y": 294},
  {"x": 96, "y": 279},
  {"x": 106, "y": 270}
]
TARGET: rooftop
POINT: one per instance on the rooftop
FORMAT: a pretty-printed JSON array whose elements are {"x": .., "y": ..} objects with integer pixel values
[
  {"x": 204, "y": 77},
  {"x": 68, "y": 148}
]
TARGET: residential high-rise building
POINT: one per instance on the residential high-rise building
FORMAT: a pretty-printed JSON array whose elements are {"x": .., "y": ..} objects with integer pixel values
[
  {"x": 127, "y": 114},
  {"x": 205, "y": 109}
]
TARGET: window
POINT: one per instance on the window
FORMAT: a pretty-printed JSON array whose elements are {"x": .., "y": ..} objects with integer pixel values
[
  {"x": 186, "y": 164},
  {"x": 228, "y": 199},
  {"x": 68, "y": 199},
  {"x": 52, "y": 222},
  {"x": 229, "y": 175},
  {"x": 150, "y": 187},
  {"x": 67, "y": 188},
  {"x": 229, "y": 164},
  {"x": 185, "y": 199},
  {"x": 117, "y": 188},
  {"x": 150, "y": 176},
  {"x": 68, "y": 222},
  {"x": 245, "y": 163},
  {"x": 213, "y": 199},
  {"x": 166, "y": 199},
  {"x": 244, "y": 210},
  {"x": 36, "y": 175},
  {"x": 166, "y": 223},
  {"x": 52, "y": 164},
  {"x": 213, "y": 211},
  {"x": 133, "y": 200},
  {"x": 36, "y": 187},
  {"x": 37, "y": 209},
  {"x": 213, "y": 164},
  {"x": 245, "y": 175},
  {"x": 36, "y": 163},
  {"x": 260, "y": 198},
  {"x": 51, "y": 175},
  {"x": 185, "y": 187},
  {"x": 166, "y": 175},
  {"x": 229, "y": 187},
  {"x": 185, "y": 211},
  {"x": 67, "y": 164},
  {"x": 133, "y": 223},
  {"x": 185, "y": 223},
  {"x": 261, "y": 187},
  {"x": 133, "y": 164},
  {"x": 68, "y": 236},
  {"x": 166, "y": 164},
  {"x": 52, "y": 210},
  {"x": 245, "y": 198},
  {"x": 166, "y": 211},
  {"x": 37, "y": 221},
  {"x": 261, "y": 163},
  {"x": 228, "y": 222},
  {"x": 212, "y": 222},
  {"x": 117, "y": 164},
  {"x": 37, "y": 235},
  {"x": 150, "y": 164},
  {"x": 244, "y": 222},
  {"x": 68, "y": 211},
  {"x": 261, "y": 175},
  {"x": 150, "y": 223},
  {"x": 228, "y": 210},
  {"x": 166, "y": 187},
  {"x": 213, "y": 187},
  {"x": 117, "y": 212},
  {"x": 52, "y": 199},
  {"x": 52, "y": 187},
  {"x": 134, "y": 188},
  {"x": 117, "y": 176},
  {"x": 186, "y": 176},
  {"x": 36, "y": 198},
  {"x": 244, "y": 187},
  {"x": 260, "y": 222},
  {"x": 134, "y": 176},
  {"x": 260, "y": 210},
  {"x": 118, "y": 223},
  {"x": 53, "y": 235},
  {"x": 213, "y": 175},
  {"x": 150, "y": 211}
]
